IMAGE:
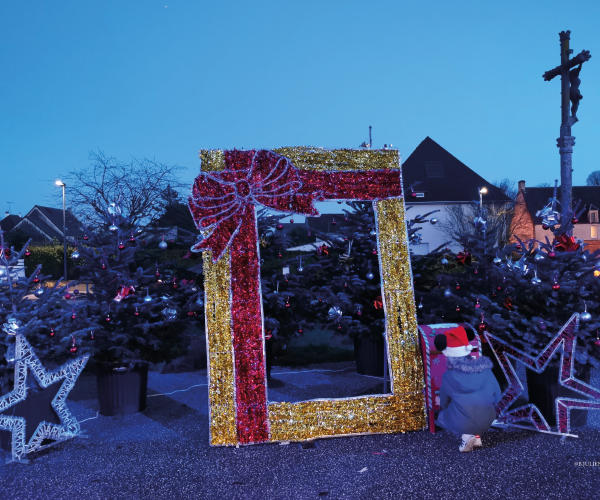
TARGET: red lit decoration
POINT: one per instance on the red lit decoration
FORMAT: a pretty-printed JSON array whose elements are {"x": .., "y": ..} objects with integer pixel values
[
  {"x": 508, "y": 303},
  {"x": 378, "y": 303},
  {"x": 323, "y": 250},
  {"x": 566, "y": 243},
  {"x": 463, "y": 258},
  {"x": 121, "y": 246},
  {"x": 27, "y": 253},
  {"x": 222, "y": 203},
  {"x": 555, "y": 286},
  {"x": 51, "y": 332}
]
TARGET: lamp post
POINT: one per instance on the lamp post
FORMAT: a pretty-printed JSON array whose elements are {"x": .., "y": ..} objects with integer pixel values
[
  {"x": 482, "y": 191},
  {"x": 60, "y": 183}
]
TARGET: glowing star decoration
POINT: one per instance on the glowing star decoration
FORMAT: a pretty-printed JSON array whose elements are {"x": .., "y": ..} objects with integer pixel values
[
  {"x": 223, "y": 204},
  {"x": 68, "y": 428},
  {"x": 566, "y": 338}
]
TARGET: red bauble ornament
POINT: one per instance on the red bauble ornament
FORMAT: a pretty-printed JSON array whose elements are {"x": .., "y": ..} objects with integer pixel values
[
  {"x": 291, "y": 221},
  {"x": 359, "y": 313},
  {"x": 27, "y": 253},
  {"x": 279, "y": 255},
  {"x": 518, "y": 247},
  {"x": 299, "y": 330},
  {"x": 85, "y": 237},
  {"x": 457, "y": 308},
  {"x": 333, "y": 222},
  {"x": 339, "y": 327},
  {"x": 544, "y": 227},
  {"x": 190, "y": 313},
  {"x": 108, "y": 318},
  {"x": 73, "y": 349},
  {"x": 36, "y": 280},
  {"x": 143, "y": 242},
  {"x": 499, "y": 288},
  {"x": 482, "y": 327},
  {"x": 67, "y": 295},
  {"x": 320, "y": 299},
  {"x": 556, "y": 286},
  {"x": 121, "y": 246},
  {"x": 280, "y": 226},
  {"x": 132, "y": 239},
  {"x": 136, "y": 311},
  {"x": 92, "y": 335},
  {"x": 575, "y": 220},
  {"x": 413, "y": 194},
  {"x": 51, "y": 332},
  {"x": 374, "y": 252},
  {"x": 457, "y": 286},
  {"x": 345, "y": 285},
  {"x": 551, "y": 254}
]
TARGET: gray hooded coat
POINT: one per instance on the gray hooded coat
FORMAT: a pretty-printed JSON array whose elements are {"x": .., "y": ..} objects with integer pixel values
[{"x": 468, "y": 394}]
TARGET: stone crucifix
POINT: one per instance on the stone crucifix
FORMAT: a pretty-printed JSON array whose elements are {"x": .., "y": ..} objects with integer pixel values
[{"x": 569, "y": 79}]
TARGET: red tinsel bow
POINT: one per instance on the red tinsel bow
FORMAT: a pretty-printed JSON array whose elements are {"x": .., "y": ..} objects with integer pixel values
[
  {"x": 221, "y": 200},
  {"x": 566, "y": 243},
  {"x": 378, "y": 303},
  {"x": 463, "y": 258}
]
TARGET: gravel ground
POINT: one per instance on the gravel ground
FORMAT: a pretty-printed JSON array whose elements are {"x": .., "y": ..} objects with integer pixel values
[{"x": 163, "y": 453}]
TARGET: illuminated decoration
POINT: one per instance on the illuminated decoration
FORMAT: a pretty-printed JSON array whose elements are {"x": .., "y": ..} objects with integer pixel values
[
  {"x": 25, "y": 359},
  {"x": 223, "y": 204},
  {"x": 566, "y": 338}
]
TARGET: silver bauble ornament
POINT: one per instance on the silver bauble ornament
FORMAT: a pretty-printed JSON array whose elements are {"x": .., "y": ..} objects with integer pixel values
[
  {"x": 199, "y": 301},
  {"x": 373, "y": 233},
  {"x": 300, "y": 269},
  {"x": 39, "y": 291},
  {"x": 539, "y": 257},
  {"x": 370, "y": 276},
  {"x": 433, "y": 221},
  {"x": 162, "y": 245},
  {"x": 113, "y": 209},
  {"x": 170, "y": 313},
  {"x": 444, "y": 261},
  {"x": 334, "y": 312},
  {"x": 447, "y": 292},
  {"x": 497, "y": 260},
  {"x": 535, "y": 281},
  {"x": 112, "y": 228},
  {"x": 147, "y": 298},
  {"x": 75, "y": 255},
  {"x": 585, "y": 316}
]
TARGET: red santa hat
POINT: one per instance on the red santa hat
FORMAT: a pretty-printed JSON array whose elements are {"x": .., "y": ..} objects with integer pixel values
[{"x": 457, "y": 343}]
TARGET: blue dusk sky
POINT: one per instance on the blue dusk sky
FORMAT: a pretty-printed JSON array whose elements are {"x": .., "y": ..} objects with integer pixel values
[{"x": 164, "y": 79}]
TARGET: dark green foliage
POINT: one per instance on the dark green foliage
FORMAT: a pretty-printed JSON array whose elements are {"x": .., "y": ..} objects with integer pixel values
[{"x": 513, "y": 307}]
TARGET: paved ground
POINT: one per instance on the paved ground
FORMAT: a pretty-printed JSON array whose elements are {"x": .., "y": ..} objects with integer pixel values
[{"x": 163, "y": 453}]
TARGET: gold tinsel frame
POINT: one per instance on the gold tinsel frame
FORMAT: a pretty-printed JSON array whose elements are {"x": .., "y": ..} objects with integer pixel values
[{"x": 403, "y": 409}]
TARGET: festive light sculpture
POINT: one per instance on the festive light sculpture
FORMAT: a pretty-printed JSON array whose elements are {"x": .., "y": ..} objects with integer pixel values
[
  {"x": 223, "y": 204},
  {"x": 25, "y": 359},
  {"x": 566, "y": 338}
]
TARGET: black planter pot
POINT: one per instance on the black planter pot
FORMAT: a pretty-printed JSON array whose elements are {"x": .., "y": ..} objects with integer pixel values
[
  {"x": 544, "y": 389},
  {"x": 122, "y": 392},
  {"x": 368, "y": 354},
  {"x": 35, "y": 409}
]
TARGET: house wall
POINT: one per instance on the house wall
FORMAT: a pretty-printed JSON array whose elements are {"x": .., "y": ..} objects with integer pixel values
[
  {"x": 432, "y": 235},
  {"x": 522, "y": 223},
  {"x": 581, "y": 232}
]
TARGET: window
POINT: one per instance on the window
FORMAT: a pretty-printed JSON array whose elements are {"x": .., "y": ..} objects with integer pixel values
[
  {"x": 434, "y": 169},
  {"x": 420, "y": 195},
  {"x": 593, "y": 216},
  {"x": 594, "y": 232}
]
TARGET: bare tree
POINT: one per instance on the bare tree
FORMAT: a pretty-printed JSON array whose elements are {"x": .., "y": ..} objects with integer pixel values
[
  {"x": 139, "y": 185},
  {"x": 593, "y": 179},
  {"x": 459, "y": 218}
]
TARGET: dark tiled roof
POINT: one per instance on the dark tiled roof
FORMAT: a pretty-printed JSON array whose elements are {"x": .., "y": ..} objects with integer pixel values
[
  {"x": 9, "y": 222},
  {"x": 443, "y": 177},
  {"x": 538, "y": 197},
  {"x": 38, "y": 222},
  {"x": 55, "y": 215}
]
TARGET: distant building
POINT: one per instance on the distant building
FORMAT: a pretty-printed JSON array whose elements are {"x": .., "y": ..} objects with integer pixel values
[
  {"x": 43, "y": 224},
  {"x": 527, "y": 226},
  {"x": 9, "y": 221},
  {"x": 444, "y": 181}
]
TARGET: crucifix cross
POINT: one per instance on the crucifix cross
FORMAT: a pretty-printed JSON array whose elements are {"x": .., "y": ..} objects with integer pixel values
[{"x": 569, "y": 80}]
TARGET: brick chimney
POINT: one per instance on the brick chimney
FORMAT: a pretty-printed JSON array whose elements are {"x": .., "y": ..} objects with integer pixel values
[
  {"x": 521, "y": 186},
  {"x": 6, "y": 214}
]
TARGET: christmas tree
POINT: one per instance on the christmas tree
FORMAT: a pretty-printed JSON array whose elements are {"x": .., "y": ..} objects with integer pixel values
[
  {"x": 522, "y": 292},
  {"x": 54, "y": 319}
]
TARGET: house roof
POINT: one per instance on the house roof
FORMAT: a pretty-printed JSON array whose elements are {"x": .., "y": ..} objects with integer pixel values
[
  {"x": 50, "y": 222},
  {"x": 444, "y": 178},
  {"x": 9, "y": 222},
  {"x": 537, "y": 198}
]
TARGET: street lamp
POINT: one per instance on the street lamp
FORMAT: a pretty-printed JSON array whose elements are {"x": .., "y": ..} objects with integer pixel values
[
  {"x": 61, "y": 183},
  {"x": 482, "y": 191}
]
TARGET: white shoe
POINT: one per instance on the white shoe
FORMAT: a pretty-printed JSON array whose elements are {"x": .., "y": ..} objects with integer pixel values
[
  {"x": 477, "y": 442},
  {"x": 468, "y": 441}
]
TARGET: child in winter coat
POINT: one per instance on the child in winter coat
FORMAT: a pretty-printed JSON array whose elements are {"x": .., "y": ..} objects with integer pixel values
[{"x": 469, "y": 389}]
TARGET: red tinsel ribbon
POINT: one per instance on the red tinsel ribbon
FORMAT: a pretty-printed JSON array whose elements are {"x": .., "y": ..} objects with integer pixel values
[
  {"x": 323, "y": 250},
  {"x": 223, "y": 203},
  {"x": 566, "y": 243}
]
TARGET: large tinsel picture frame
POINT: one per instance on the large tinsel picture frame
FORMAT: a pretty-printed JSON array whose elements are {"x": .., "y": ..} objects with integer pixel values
[{"x": 223, "y": 204}]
